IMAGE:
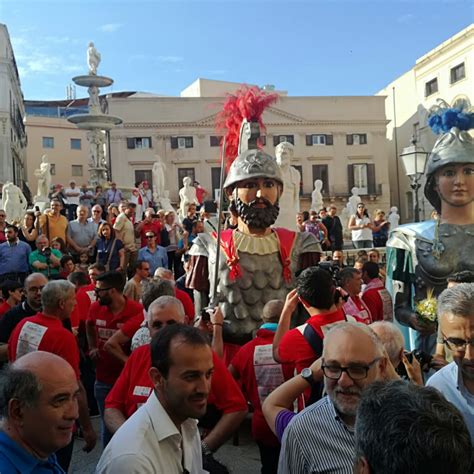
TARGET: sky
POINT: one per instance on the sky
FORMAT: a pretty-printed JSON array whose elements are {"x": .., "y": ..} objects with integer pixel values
[{"x": 308, "y": 47}]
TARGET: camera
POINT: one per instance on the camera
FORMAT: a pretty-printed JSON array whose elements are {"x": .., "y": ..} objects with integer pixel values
[
  {"x": 46, "y": 252},
  {"x": 206, "y": 314},
  {"x": 422, "y": 357},
  {"x": 333, "y": 268}
]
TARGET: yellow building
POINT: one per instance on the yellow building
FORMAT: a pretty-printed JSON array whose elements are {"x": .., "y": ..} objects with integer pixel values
[{"x": 446, "y": 72}]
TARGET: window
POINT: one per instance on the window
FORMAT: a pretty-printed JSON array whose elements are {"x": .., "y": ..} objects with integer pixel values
[
  {"x": 75, "y": 143},
  {"x": 138, "y": 142},
  {"x": 300, "y": 169},
  {"x": 215, "y": 140},
  {"x": 457, "y": 73},
  {"x": 263, "y": 140},
  {"x": 52, "y": 169},
  {"x": 362, "y": 176},
  {"x": 431, "y": 87},
  {"x": 321, "y": 172},
  {"x": 48, "y": 142},
  {"x": 215, "y": 182},
  {"x": 182, "y": 173},
  {"x": 283, "y": 138},
  {"x": 76, "y": 170},
  {"x": 143, "y": 175},
  {"x": 356, "y": 139},
  {"x": 181, "y": 142},
  {"x": 318, "y": 139}
]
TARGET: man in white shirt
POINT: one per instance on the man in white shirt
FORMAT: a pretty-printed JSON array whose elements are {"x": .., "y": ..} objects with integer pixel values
[
  {"x": 162, "y": 436},
  {"x": 126, "y": 233},
  {"x": 73, "y": 194},
  {"x": 456, "y": 380}
]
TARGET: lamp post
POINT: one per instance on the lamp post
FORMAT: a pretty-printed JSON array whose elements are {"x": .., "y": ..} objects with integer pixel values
[{"x": 414, "y": 161}]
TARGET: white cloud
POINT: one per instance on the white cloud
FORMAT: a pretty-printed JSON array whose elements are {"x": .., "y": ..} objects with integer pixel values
[
  {"x": 170, "y": 59},
  {"x": 110, "y": 27}
]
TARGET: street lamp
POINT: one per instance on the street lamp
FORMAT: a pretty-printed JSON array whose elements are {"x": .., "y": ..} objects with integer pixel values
[{"x": 414, "y": 161}]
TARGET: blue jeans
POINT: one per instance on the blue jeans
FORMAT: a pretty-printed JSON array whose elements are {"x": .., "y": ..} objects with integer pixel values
[
  {"x": 101, "y": 390},
  {"x": 362, "y": 244}
]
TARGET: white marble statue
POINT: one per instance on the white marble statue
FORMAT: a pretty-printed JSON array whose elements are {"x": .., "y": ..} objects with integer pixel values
[
  {"x": 187, "y": 196},
  {"x": 158, "y": 173},
  {"x": 93, "y": 59},
  {"x": 43, "y": 173},
  {"x": 317, "y": 202},
  {"x": 94, "y": 102},
  {"x": 14, "y": 203},
  {"x": 165, "y": 202},
  {"x": 290, "y": 198},
  {"x": 354, "y": 201},
  {"x": 393, "y": 218}
]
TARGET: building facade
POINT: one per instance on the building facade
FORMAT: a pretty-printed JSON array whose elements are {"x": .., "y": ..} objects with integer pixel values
[
  {"x": 13, "y": 139},
  {"x": 446, "y": 72}
]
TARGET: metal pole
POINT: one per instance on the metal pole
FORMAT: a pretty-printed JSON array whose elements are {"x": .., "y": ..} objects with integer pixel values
[
  {"x": 213, "y": 301},
  {"x": 416, "y": 205}
]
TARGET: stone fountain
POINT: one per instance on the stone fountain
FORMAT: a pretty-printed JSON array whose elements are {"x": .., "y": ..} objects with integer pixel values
[{"x": 96, "y": 121}]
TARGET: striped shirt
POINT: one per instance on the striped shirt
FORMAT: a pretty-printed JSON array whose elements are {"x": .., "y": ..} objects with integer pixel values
[{"x": 317, "y": 441}]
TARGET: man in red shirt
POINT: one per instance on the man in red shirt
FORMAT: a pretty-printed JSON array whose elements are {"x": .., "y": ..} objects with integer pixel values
[
  {"x": 134, "y": 385},
  {"x": 301, "y": 346},
  {"x": 149, "y": 223},
  {"x": 11, "y": 293},
  {"x": 112, "y": 321},
  {"x": 351, "y": 283},
  {"x": 45, "y": 332},
  {"x": 375, "y": 296},
  {"x": 259, "y": 375}
]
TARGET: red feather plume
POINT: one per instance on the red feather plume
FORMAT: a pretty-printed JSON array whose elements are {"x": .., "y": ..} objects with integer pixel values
[{"x": 246, "y": 103}]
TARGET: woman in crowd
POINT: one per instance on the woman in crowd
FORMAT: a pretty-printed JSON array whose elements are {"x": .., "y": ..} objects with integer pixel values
[
  {"x": 28, "y": 232},
  {"x": 59, "y": 244},
  {"x": 361, "y": 228},
  {"x": 110, "y": 251},
  {"x": 173, "y": 229},
  {"x": 112, "y": 213},
  {"x": 380, "y": 229}
]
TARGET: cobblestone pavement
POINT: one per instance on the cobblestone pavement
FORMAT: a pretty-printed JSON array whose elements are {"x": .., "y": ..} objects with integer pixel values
[{"x": 243, "y": 458}]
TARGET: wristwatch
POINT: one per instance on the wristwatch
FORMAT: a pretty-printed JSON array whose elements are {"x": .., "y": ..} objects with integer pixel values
[{"x": 307, "y": 374}]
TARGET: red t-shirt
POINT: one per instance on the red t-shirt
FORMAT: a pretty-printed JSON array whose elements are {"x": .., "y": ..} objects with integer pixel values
[
  {"x": 43, "y": 333},
  {"x": 187, "y": 303},
  {"x": 85, "y": 296},
  {"x": 379, "y": 301},
  {"x": 154, "y": 226},
  {"x": 243, "y": 363},
  {"x": 295, "y": 349},
  {"x": 108, "y": 367},
  {"x": 133, "y": 387},
  {"x": 4, "y": 307}
]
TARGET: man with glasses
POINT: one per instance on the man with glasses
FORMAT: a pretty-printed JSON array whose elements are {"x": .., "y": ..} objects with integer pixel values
[
  {"x": 52, "y": 223},
  {"x": 111, "y": 323},
  {"x": 155, "y": 255},
  {"x": 96, "y": 217},
  {"x": 14, "y": 255},
  {"x": 321, "y": 437},
  {"x": 456, "y": 380}
]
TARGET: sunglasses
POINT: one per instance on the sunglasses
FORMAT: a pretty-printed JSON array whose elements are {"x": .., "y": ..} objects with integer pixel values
[
  {"x": 150, "y": 236},
  {"x": 98, "y": 290}
]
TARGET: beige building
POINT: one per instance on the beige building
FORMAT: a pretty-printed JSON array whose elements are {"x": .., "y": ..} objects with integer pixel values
[
  {"x": 12, "y": 130},
  {"x": 446, "y": 72},
  {"x": 341, "y": 140}
]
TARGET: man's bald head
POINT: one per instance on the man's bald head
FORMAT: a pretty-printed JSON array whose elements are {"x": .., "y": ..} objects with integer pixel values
[
  {"x": 272, "y": 310},
  {"x": 43, "y": 364}
]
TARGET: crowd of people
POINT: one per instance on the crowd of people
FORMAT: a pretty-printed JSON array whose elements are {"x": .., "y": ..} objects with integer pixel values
[{"x": 129, "y": 315}]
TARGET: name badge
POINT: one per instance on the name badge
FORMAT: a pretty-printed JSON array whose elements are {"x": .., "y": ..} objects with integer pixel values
[
  {"x": 141, "y": 391},
  {"x": 100, "y": 322}
]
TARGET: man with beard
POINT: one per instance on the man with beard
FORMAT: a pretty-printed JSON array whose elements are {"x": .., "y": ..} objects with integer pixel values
[
  {"x": 321, "y": 437},
  {"x": 162, "y": 437},
  {"x": 112, "y": 321},
  {"x": 456, "y": 380},
  {"x": 257, "y": 262}
]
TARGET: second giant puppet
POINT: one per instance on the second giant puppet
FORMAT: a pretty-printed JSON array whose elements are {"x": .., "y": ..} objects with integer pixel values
[{"x": 258, "y": 262}]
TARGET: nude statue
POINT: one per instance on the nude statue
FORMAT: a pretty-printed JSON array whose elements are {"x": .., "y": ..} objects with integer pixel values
[
  {"x": 14, "y": 202},
  {"x": 317, "y": 202},
  {"x": 93, "y": 59},
  {"x": 44, "y": 178},
  {"x": 158, "y": 173},
  {"x": 187, "y": 196}
]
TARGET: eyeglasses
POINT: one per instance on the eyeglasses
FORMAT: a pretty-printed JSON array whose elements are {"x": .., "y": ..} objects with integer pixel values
[
  {"x": 458, "y": 345},
  {"x": 98, "y": 290},
  {"x": 355, "y": 372},
  {"x": 150, "y": 236},
  {"x": 35, "y": 289},
  {"x": 95, "y": 211}
]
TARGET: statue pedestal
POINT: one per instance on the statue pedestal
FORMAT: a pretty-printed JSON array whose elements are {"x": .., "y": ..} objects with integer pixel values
[
  {"x": 98, "y": 176},
  {"x": 41, "y": 202}
]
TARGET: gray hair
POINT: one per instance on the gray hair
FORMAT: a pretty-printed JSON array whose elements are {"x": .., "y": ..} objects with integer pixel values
[
  {"x": 457, "y": 300},
  {"x": 391, "y": 337},
  {"x": 163, "y": 302},
  {"x": 41, "y": 237},
  {"x": 163, "y": 273},
  {"x": 438, "y": 440},
  {"x": 54, "y": 292},
  {"x": 272, "y": 310},
  {"x": 347, "y": 274},
  {"x": 32, "y": 276},
  {"x": 350, "y": 326},
  {"x": 20, "y": 384},
  {"x": 155, "y": 289}
]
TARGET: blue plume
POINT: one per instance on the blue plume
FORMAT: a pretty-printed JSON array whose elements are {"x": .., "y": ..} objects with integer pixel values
[{"x": 445, "y": 119}]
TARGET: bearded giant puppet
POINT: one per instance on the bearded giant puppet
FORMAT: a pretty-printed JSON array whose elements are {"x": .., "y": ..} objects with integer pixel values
[
  {"x": 423, "y": 255},
  {"x": 257, "y": 262}
]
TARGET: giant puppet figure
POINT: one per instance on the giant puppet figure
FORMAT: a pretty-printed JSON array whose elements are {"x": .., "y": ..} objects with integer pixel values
[
  {"x": 422, "y": 256},
  {"x": 257, "y": 262}
]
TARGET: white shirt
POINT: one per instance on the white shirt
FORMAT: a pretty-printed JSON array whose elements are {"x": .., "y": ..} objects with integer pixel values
[
  {"x": 73, "y": 199},
  {"x": 362, "y": 234},
  {"x": 149, "y": 442}
]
